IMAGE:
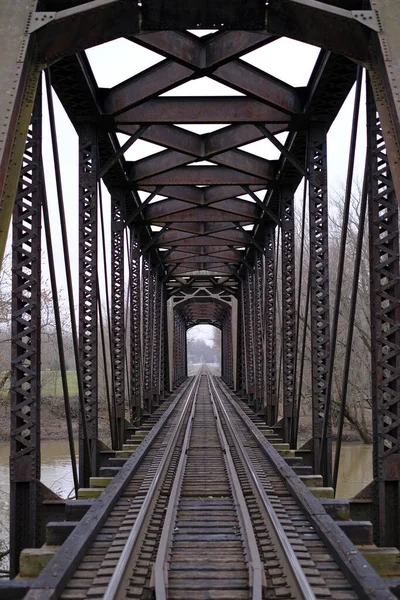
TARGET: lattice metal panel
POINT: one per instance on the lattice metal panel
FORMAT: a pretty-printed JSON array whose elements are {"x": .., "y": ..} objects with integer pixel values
[
  {"x": 385, "y": 335},
  {"x": 251, "y": 326},
  {"x": 147, "y": 330},
  {"x": 88, "y": 294},
  {"x": 245, "y": 336},
  {"x": 319, "y": 262},
  {"x": 270, "y": 327},
  {"x": 288, "y": 308},
  {"x": 25, "y": 349},
  {"x": 136, "y": 401},
  {"x": 227, "y": 350},
  {"x": 118, "y": 314},
  {"x": 156, "y": 337},
  {"x": 258, "y": 330},
  {"x": 240, "y": 375}
]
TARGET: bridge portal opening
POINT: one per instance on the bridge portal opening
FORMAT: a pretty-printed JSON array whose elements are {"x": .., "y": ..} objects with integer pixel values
[{"x": 203, "y": 347}]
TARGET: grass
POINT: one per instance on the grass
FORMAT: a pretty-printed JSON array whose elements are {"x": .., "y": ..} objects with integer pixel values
[{"x": 51, "y": 383}]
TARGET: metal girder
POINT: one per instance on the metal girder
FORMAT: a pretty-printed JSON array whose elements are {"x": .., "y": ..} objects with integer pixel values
[
  {"x": 19, "y": 75},
  {"x": 211, "y": 51},
  {"x": 165, "y": 161},
  {"x": 385, "y": 334},
  {"x": 168, "y": 74},
  {"x": 227, "y": 348},
  {"x": 151, "y": 82},
  {"x": 226, "y": 109},
  {"x": 224, "y": 14},
  {"x": 74, "y": 29},
  {"x": 136, "y": 371},
  {"x": 147, "y": 329},
  {"x": 88, "y": 291},
  {"x": 118, "y": 316},
  {"x": 258, "y": 332},
  {"x": 271, "y": 409},
  {"x": 202, "y": 214},
  {"x": 288, "y": 309},
  {"x": 205, "y": 175},
  {"x": 384, "y": 71},
  {"x": 179, "y": 348},
  {"x": 25, "y": 350},
  {"x": 319, "y": 270},
  {"x": 320, "y": 24},
  {"x": 255, "y": 83}
]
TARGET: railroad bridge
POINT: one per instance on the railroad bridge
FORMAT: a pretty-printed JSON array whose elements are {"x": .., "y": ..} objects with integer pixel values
[{"x": 204, "y": 490}]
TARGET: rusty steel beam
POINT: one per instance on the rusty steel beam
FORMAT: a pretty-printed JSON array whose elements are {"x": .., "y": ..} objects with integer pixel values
[
  {"x": 319, "y": 271},
  {"x": 25, "y": 388},
  {"x": 288, "y": 309},
  {"x": 151, "y": 82},
  {"x": 320, "y": 24},
  {"x": 201, "y": 214},
  {"x": 118, "y": 317},
  {"x": 385, "y": 334},
  {"x": 259, "y": 333},
  {"x": 205, "y": 175},
  {"x": 136, "y": 353},
  {"x": 74, "y": 29},
  {"x": 257, "y": 84},
  {"x": 88, "y": 291},
  {"x": 19, "y": 74},
  {"x": 271, "y": 409},
  {"x": 226, "y": 109}
]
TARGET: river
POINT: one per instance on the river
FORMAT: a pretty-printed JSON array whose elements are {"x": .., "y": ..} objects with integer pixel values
[{"x": 355, "y": 473}]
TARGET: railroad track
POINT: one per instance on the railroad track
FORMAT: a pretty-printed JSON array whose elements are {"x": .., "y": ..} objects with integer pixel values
[{"x": 207, "y": 514}]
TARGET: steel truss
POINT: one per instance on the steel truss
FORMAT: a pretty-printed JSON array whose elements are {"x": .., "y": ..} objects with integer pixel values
[
  {"x": 136, "y": 369},
  {"x": 147, "y": 332},
  {"x": 25, "y": 349},
  {"x": 88, "y": 292},
  {"x": 271, "y": 398},
  {"x": 227, "y": 348},
  {"x": 319, "y": 270},
  {"x": 385, "y": 335},
  {"x": 179, "y": 348},
  {"x": 288, "y": 309},
  {"x": 118, "y": 316},
  {"x": 258, "y": 332}
]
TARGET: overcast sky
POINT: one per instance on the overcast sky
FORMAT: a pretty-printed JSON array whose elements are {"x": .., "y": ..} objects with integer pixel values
[{"x": 285, "y": 59}]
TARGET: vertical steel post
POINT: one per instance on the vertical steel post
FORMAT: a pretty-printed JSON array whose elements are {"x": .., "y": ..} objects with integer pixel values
[
  {"x": 319, "y": 271},
  {"x": 288, "y": 309},
  {"x": 239, "y": 348},
  {"x": 156, "y": 339},
  {"x": 258, "y": 331},
  {"x": 245, "y": 347},
  {"x": 270, "y": 327},
  {"x": 146, "y": 328},
  {"x": 88, "y": 298},
  {"x": 136, "y": 400},
  {"x": 118, "y": 316},
  {"x": 385, "y": 335},
  {"x": 165, "y": 348},
  {"x": 25, "y": 349},
  {"x": 250, "y": 336}
]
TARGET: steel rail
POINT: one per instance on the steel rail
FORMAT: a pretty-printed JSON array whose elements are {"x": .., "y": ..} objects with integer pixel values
[
  {"x": 114, "y": 589},
  {"x": 256, "y": 569},
  {"x": 160, "y": 569},
  {"x": 296, "y": 577}
]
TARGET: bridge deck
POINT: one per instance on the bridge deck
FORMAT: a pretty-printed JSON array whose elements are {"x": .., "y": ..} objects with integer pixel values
[{"x": 204, "y": 504}]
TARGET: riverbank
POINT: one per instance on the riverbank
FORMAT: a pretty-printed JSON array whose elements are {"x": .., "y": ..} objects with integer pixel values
[{"x": 53, "y": 425}]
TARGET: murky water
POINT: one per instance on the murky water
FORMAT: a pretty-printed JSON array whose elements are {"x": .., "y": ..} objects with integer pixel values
[
  {"x": 355, "y": 473},
  {"x": 56, "y": 474}
]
